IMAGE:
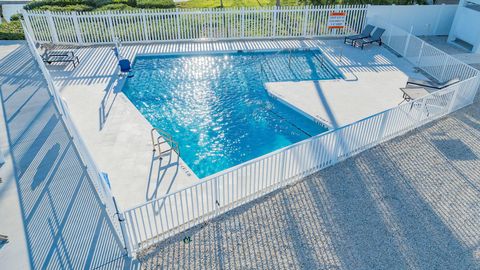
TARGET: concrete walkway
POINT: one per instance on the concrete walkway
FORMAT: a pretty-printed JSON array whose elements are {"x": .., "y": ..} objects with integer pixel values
[
  {"x": 410, "y": 203},
  {"x": 49, "y": 207}
]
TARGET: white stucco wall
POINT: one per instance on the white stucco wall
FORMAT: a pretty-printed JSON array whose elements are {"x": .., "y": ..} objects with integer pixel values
[
  {"x": 10, "y": 9},
  {"x": 425, "y": 19},
  {"x": 466, "y": 26}
]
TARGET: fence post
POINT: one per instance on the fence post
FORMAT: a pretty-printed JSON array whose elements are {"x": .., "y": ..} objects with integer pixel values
[
  {"x": 145, "y": 28},
  {"x": 26, "y": 19},
  {"x": 123, "y": 228},
  {"x": 454, "y": 98},
  {"x": 210, "y": 24},
  {"x": 110, "y": 25},
  {"x": 51, "y": 26},
  {"x": 420, "y": 54},
  {"x": 443, "y": 69},
  {"x": 126, "y": 239},
  {"x": 177, "y": 20},
  {"x": 242, "y": 27},
  {"x": 216, "y": 197},
  {"x": 283, "y": 173},
  {"x": 305, "y": 21},
  {"x": 77, "y": 27},
  {"x": 407, "y": 42},
  {"x": 274, "y": 26}
]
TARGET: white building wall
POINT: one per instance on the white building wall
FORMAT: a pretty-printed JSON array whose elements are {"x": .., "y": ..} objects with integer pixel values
[
  {"x": 466, "y": 26},
  {"x": 11, "y": 9},
  {"x": 425, "y": 19}
]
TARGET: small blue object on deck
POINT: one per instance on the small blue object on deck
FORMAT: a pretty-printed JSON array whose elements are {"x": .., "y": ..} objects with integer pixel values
[{"x": 124, "y": 65}]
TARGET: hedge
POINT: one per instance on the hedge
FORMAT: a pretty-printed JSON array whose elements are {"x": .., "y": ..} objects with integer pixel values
[
  {"x": 63, "y": 3},
  {"x": 11, "y": 31},
  {"x": 155, "y": 4},
  {"x": 88, "y": 5},
  {"x": 78, "y": 7},
  {"x": 117, "y": 6}
]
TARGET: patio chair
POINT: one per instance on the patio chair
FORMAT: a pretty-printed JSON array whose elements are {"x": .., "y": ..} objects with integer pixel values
[
  {"x": 55, "y": 56},
  {"x": 376, "y": 37},
  {"x": 429, "y": 84},
  {"x": 364, "y": 34}
]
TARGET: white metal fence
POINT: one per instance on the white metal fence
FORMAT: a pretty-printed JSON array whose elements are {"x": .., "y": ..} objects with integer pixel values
[
  {"x": 155, "y": 220},
  {"x": 92, "y": 169},
  {"x": 194, "y": 24}
]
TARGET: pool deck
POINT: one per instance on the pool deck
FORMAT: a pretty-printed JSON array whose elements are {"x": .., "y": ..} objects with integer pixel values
[
  {"x": 371, "y": 83},
  {"x": 50, "y": 209},
  {"x": 119, "y": 136}
]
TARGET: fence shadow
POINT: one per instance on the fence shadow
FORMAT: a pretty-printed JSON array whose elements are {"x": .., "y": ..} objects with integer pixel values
[
  {"x": 401, "y": 205},
  {"x": 65, "y": 222}
]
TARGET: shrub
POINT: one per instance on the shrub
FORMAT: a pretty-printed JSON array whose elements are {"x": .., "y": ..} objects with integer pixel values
[
  {"x": 11, "y": 31},
  {"x": 115, "y": 7},
  {"x": 16, "y": 17},
  {"x": 67, "y": 8},
  {"x": 63, "y": 3},
  {"x": 120, "y": 2},
  {"x": 155, "y": 4}
]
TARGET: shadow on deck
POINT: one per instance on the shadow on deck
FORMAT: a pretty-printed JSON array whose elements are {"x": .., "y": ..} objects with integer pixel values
[
  {"x": 410, "y": 203},
  {"x": 66, "y": 225}
]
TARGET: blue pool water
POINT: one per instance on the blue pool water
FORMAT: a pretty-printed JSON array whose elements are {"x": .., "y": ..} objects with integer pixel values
[{"x": 216, "y": 106}]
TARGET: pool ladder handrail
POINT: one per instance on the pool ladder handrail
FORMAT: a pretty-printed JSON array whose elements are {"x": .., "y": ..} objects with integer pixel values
[
  {"x": 289, "y": 50},
  {"x": 167, "y": 138}
]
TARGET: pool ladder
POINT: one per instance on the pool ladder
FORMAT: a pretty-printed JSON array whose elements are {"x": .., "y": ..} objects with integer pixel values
[{"x": 164, "y": 138}]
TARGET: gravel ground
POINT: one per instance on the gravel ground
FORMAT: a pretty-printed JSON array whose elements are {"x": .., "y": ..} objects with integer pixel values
[{"x": 411, "y": 203}]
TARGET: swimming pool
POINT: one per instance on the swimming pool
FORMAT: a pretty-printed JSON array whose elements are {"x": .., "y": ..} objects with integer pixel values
[{"x": 216, "y": 107}]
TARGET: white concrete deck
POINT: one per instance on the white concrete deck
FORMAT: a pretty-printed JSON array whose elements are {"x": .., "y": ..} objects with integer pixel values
[
  {"x": 119, "y": 136},
  {"x": 371, "y": 85},
  {"x": 49, "y": 207},
  {"x": 14, "y": 254}
]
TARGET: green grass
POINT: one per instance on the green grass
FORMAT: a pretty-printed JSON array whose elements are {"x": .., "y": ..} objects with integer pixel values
[{"x": 236, "y": 3}]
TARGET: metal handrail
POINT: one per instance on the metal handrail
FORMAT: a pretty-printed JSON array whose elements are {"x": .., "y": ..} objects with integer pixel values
[{"x": 167, "y": 138}]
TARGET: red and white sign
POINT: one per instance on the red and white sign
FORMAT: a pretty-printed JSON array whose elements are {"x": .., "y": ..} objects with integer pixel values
[{"x": 336, "y": 20}]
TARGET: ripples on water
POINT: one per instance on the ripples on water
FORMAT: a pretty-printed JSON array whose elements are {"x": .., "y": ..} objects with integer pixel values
[{"x": 216, "y": 105}]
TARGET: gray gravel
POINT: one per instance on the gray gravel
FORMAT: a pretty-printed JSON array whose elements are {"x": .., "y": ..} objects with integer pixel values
[{"x": 411, "y": 203}]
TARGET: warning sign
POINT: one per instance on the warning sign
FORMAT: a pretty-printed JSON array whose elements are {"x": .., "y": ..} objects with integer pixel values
[{"x": 336, "y": 20}]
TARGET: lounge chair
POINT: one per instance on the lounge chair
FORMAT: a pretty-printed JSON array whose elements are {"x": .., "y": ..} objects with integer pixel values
[
  {"x": 375, "y": 37},
  {"x": 429, "y": 84},
  {"x": 364, "y": 34},
  {"x": 412, "y": 93}
]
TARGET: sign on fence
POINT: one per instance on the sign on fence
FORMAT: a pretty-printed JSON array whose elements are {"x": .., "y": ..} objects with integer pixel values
[{"x": 336, "y": 20}]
